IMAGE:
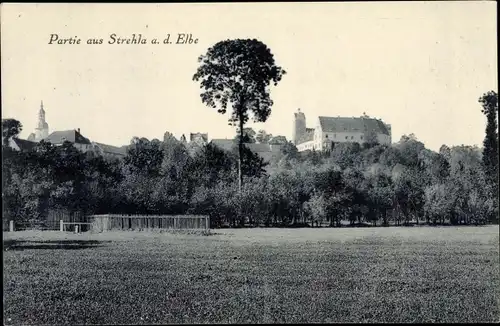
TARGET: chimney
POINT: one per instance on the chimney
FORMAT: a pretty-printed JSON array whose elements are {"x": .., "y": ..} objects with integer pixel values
[{"x": 78, "y": 130}]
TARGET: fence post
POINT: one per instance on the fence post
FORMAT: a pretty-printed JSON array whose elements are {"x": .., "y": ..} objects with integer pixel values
[
  {"x": 76, "y": 228},
  {"x": 61, "y": 225},
  {"x": 11, "y": 226},
  {"x": 207, "y": 223}
]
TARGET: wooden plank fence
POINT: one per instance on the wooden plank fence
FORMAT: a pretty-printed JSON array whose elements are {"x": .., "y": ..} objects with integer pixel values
[
  {"x": 102, "y": 223},
  {"x": 71, "y": 221},
  {"x": 69, "y": 218},
  {"x": 52, "y": 221}
]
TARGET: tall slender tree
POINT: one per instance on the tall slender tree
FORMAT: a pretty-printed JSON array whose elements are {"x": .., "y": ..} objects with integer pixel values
[
  {"x": 489, "y": 102},
  {"x": 238, "y": 73}
]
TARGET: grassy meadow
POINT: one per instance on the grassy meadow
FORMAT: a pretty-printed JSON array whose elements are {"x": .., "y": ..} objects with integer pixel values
[{"x": 419, "y": 274}]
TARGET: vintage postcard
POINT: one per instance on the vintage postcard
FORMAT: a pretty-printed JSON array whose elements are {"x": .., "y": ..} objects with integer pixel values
[{"x": 250, "y": 163}]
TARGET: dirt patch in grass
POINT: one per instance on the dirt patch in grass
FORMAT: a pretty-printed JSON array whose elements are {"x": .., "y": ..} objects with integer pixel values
[{"x": 253, "y": 276}]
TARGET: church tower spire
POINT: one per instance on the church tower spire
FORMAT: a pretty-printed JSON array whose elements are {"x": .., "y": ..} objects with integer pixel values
[
  {"x": 42, "y": 130},
  {"x": 41, "y": 116}
]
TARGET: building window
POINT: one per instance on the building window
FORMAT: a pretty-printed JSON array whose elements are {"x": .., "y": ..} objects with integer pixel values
[
  {"x": 326, "y": 136},
  {"x": 361, "y": 137},
  {"x": 352, "y": 137},
  {"x": 346, "y": 137}
]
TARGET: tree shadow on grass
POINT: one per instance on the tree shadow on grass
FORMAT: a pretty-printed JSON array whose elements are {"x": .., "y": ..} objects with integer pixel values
[{"x": 20, "y": 245}]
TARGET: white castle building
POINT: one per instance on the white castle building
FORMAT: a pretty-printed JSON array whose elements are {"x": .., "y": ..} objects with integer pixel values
[{"x": 328, "y": 130}]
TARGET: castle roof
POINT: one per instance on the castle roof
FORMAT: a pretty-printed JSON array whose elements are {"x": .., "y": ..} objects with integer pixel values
[
  {"x": 338, "y": 124},
  {"x": 59, "y": 137}
]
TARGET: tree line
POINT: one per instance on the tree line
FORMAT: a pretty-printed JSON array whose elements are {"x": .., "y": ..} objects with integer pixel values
[{"x": 349, "y": 184}]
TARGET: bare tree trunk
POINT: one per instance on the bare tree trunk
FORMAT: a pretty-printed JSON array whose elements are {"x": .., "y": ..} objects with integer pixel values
[{"x": 240, "y": 159}]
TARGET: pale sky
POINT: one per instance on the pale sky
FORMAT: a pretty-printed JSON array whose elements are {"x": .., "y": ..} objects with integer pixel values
[{"x": 420, "y": 66}]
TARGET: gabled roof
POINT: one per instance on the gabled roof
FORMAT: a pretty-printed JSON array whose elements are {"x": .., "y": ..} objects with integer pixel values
[
  {"x": 59, "y": 137},
  {"x": 338, "y": 124},
  {"x": 24, "y": 145},
  {"x": 110, "y": 149}
]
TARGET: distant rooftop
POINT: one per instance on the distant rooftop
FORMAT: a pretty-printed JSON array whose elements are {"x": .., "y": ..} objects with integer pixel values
[
  {"x": 24, "y": 145},
  {"x": 59, "y": 137},
  {"x": 338, "y": 124}
]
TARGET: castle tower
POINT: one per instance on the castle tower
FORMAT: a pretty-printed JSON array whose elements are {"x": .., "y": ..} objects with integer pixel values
[
  {"x": 299, "y": 126},
  {"x": 42, "y": 130}
]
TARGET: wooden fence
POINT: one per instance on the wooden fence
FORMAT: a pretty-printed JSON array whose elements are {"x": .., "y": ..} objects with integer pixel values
[
  {"x": 52, "y": 221},
  {"x": 109, "y": 222},
  {"x": 55, "y": 217}
]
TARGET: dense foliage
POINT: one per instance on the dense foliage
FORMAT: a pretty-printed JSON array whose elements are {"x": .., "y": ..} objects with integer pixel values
[{"x": 349, "y": 185}]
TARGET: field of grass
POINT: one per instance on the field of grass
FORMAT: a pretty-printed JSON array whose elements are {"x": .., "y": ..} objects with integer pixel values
[{"x": 427, "y": 274}]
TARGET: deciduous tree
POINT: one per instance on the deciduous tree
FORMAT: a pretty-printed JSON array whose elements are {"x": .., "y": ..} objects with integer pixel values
[
  {"x": 238, "y": 73},
  {"x": 10, "y": 128}
]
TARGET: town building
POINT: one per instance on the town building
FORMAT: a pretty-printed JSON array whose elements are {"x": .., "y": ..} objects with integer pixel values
[
  {"x": 109, "y": 151},
  {"x": 328, "y": 130},
  {"x": 57, "y": 138},
  {"x": 21, "y": 145}
]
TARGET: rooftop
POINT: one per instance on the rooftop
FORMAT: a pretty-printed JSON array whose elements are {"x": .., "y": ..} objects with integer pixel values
[
  {"x": 59, "y": 137},
  {"x": 24, "y": 145},
  {"x": 338, "y": 124}
]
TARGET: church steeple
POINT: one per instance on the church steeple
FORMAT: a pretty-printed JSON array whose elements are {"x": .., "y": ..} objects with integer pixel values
[
  {"x": 41, "y": 117},
  {"x": 42, "y": 131}
]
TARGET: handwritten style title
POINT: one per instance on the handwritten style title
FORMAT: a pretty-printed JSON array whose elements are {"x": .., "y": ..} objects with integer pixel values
[{"x": 179, "y": 38}]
